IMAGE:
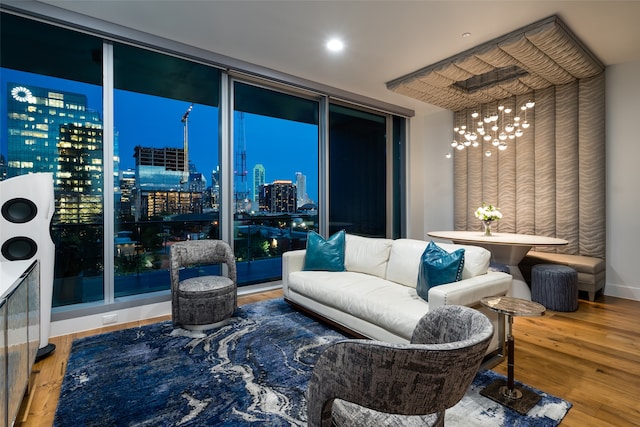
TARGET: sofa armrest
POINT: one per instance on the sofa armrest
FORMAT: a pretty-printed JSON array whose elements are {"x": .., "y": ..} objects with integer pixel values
[
  {"x": 291, "y": 261},
  {"x": 470, "y": 291}
]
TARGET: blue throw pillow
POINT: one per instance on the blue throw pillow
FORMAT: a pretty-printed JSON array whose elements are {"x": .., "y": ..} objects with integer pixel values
[
  {"x": 438, "y": 267},
  {"x": 327, "y": 255}
]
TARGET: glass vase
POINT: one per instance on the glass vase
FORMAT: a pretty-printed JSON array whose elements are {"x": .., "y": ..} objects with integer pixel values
[{"x": 487, "y": 227}]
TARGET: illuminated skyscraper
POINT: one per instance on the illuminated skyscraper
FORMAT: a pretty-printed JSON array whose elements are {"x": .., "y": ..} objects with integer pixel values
[
  {"x": 278, "y": 197},
  {"x": 301, "y": 185},
  {"x": 54, "y": 131},
  {"x": 259, "y": 175},
  {"x": 3, "y": 168},
  {"x": 160, "y": 185},
  {"x": 127, "y": 180}
]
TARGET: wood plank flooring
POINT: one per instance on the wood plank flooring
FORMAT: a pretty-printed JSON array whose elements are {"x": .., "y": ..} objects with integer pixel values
[{"x": 590, "y": 357}]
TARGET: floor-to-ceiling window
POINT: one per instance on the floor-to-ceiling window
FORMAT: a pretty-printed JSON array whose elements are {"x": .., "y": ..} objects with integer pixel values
[
  {"x": 132, "y": 137},
  {"x": 52, "y": 121},
  {"x": 275, "y": 174},
  {"x": 166, "y": 168}
]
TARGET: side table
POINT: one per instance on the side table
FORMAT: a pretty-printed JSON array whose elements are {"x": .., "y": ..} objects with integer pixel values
[{"x": 505, "y": 393}]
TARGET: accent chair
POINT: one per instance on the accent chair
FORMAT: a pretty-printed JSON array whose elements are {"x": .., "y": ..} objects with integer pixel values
[
  {"x": 203, "y": 302},
  {"x": 372, "y": 383}
]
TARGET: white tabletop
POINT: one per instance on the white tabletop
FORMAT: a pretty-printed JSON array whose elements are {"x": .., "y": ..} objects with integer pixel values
[{"x": 510, "y": 239}]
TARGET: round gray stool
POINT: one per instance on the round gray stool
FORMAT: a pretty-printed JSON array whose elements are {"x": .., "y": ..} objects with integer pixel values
[{"x": 555, "y": 286}]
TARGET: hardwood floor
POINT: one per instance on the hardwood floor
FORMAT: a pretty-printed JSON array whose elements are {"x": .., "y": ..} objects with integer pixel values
[{"x": 590, "y": 357}]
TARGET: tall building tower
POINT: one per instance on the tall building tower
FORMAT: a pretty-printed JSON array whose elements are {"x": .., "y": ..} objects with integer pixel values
[
  {"x": 78, "y": 183},
  {"x": 259, "y": 176},
  {"x": 3, "y": 168},
  {"x": 54, "y": 131},
  {"x": 301, "y": 185},
  {"x": 127, "y": 180},
  {"x": 214, "y": 197}
]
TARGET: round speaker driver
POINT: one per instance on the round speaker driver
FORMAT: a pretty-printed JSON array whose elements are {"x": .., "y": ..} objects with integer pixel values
[
  {"x": 19, "y": 248},
  {"x": 19, "y": 210}
]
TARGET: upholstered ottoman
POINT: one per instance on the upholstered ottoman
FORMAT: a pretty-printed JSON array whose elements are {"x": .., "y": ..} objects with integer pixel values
[
  {"x": 555, "y": 286},
  {"x": 205, "y": 302}
]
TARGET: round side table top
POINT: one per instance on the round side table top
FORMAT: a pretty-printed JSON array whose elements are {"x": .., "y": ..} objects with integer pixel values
[{"x": 513, "y": 306}]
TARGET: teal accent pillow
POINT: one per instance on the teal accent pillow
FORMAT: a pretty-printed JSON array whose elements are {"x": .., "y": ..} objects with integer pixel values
[
  {"x": 438, "y": 267},
  {"x": 327, "y": 255}
]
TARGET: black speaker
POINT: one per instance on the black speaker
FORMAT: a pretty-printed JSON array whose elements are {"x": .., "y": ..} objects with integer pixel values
[
  {"x": 19, "y": 248},
  {"x": 27, "y": 210},
  {"x": 19, "y": 210}
]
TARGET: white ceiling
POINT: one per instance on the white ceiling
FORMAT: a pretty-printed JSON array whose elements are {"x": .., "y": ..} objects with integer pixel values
[{"x": 384, "y": 39}]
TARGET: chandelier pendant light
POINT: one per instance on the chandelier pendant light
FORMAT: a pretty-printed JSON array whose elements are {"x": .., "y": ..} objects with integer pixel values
[{"x": 497, "y": 128}]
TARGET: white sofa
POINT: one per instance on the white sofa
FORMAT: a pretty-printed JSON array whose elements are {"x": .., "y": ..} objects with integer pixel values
[{"x": 376, "y": 296}]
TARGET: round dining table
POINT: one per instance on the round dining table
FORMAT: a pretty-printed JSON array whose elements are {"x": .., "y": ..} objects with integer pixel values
[{"x": 505, "y": 248}]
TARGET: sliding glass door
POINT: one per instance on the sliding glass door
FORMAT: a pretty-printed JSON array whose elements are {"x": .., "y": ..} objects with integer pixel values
[
  {"x": 166, "y": 167},
  {"x": 275, "y": 178}
]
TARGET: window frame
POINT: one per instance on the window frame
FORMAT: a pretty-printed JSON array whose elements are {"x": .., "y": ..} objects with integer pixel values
[{"x": 230, "y": 69}]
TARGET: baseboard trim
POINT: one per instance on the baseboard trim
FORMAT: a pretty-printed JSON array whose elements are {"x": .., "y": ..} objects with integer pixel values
[{"x": 622, "y": 291}]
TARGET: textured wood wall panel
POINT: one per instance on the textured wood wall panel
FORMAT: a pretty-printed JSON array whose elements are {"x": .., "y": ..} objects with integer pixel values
[
  {"x": 547, "y": 50},
  {"x": 460, "y": 182},
  {"x": 567, "y": 163},
  {"x": 490, "y": 180},
  {"x": 475, "y": 186},
  {"x": 525, "y": 181},
  {"x": 592, "y": 167},
  {"x": 506, "y": 183},
  {"x": 551, "y": 181},
  {"x": 544, "y": 125}
]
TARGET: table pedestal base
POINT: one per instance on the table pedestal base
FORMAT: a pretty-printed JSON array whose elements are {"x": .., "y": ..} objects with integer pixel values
[{"x": 520, "y": 400}]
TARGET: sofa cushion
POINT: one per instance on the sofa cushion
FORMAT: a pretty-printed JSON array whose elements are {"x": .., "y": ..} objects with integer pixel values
[
  {"x": 394, "y": 308},
  {"x": 437, "y": 267},
  {"x": 326, "y": 255},
  {"x": 367, "y": 255},
  {"x": 404, "y": 261},
  {"x": 476, "y": 258}
]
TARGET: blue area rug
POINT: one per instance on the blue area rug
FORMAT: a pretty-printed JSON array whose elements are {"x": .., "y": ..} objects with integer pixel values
[{"x": 254, "y": 371}]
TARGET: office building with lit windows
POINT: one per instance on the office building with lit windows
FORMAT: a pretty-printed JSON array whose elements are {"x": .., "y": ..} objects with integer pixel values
[
  {"x": 163, "y": 187},
  {"x": 278, "y": 197},
  {"x": 54, "y": 131}
]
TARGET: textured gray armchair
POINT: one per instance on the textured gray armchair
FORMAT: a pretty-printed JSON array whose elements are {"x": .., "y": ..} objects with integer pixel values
[
  {"x": 202, "y": 302},
  {"x": 371, "y": 383}
]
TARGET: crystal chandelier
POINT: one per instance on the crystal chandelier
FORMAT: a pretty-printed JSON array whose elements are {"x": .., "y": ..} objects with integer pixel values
[{"x": 496, "y": 128}]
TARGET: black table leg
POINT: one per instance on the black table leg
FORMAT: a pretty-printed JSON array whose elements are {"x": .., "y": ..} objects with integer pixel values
[{"x": 505, "y": 392}]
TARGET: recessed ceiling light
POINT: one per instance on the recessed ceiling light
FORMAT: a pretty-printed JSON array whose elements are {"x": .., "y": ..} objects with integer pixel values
[
  {"x": 465, "y": 35},
  {"x": 335, "y": 45}
]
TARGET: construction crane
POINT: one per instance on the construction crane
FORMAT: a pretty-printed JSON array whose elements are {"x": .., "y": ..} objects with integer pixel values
[
  {"x": 185, "y": 122},
  {"x": 241, "y": 191}
]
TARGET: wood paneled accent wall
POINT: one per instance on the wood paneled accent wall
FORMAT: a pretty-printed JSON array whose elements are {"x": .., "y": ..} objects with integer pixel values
[{"x": 551, "y": 181}]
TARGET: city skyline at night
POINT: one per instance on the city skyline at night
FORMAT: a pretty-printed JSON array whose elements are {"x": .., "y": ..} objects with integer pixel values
[{"x": 163, "y": 128}]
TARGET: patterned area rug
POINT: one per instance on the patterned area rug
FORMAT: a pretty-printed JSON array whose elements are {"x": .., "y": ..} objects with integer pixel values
[{"x": 253, "y": 371}]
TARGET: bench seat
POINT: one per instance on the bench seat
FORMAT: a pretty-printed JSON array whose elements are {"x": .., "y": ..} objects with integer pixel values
[{"x": 591, "y": 270}]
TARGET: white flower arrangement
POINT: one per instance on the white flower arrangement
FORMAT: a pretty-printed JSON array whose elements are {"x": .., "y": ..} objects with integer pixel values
[{"x": 488, "y": 213}]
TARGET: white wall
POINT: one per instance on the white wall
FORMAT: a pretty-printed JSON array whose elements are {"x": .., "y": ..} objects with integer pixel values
[
  {"x": 430, "y": 175},
  {"x": 623, "y": 180},
  {"x": 431, "y": 207}
]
